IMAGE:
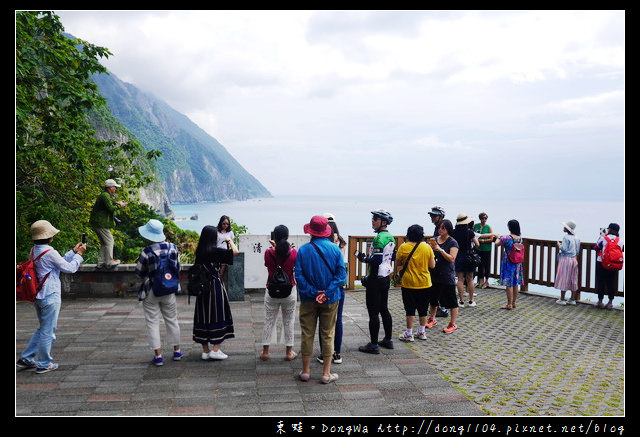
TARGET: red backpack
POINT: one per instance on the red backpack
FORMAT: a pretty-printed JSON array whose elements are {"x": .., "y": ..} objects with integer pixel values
[
  {"x": 516, "y": 254},
  {"x": 612, "y": 257},
  {"x": 27, "y": 286}
]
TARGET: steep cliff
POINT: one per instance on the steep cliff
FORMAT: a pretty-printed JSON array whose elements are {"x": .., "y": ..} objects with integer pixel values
[{"x": 194, "y": 166}]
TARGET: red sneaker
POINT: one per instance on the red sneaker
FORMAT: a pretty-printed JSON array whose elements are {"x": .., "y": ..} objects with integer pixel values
[{"x": 450, "y": 328}]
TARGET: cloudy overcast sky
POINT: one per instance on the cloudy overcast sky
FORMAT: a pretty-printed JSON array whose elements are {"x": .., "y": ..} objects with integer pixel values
[{"x": 520, "y": 103}]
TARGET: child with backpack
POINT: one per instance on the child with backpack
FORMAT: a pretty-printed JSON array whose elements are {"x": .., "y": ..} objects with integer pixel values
[
  {"x": 609, "y": 261},
  {"x": 48, "y": 299},
  {"x": 159, "y": 267},
  {"x": 280, "y": 296}
]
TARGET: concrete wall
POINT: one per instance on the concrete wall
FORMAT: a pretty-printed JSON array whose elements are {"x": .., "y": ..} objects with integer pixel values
[
  {"x": 122, "y": 281},
  {"x": 247, "y": 273}
]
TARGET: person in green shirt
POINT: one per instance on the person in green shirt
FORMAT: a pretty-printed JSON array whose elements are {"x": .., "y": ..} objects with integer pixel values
[
  {"x": 484, "y": 250},
  {"x": 380, "y": 258},
  {"x": 102, "y": 220}
]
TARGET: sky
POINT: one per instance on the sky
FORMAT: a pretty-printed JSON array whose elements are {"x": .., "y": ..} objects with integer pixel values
[{"x": 524, "y": 104}]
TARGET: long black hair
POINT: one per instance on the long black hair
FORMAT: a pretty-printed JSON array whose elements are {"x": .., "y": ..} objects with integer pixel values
[
  {"x": 514, "y": 226},
  {"x": 280, "y": 236},
  {"x": 223, "y": 218},
  {"x": 207, "y": 243},
  {"x": 334, "y": 228}
]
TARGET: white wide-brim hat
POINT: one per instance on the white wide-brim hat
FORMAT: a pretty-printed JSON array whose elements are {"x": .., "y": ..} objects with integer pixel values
[
  {"x": 152, "y": 231},
  {"x": 570, "y": 226}
]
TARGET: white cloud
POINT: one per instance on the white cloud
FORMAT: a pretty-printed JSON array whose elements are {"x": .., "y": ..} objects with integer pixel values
[{"x": 355, "y": 92}]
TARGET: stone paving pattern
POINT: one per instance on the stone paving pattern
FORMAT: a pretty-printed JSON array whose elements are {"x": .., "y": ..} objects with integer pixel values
[{"x": 540, "y": 359}]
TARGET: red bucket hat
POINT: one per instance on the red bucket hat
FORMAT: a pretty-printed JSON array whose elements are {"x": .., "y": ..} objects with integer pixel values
[{"x": 318, "y": 227}]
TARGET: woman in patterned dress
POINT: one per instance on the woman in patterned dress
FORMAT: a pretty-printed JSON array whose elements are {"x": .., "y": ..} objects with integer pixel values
[
  {"x": 212, "y": 319},
  {"x": 510, "y": 273}
]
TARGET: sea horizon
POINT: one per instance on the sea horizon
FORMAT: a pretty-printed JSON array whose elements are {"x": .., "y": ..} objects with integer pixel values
[{"x": 539, "y": 219}]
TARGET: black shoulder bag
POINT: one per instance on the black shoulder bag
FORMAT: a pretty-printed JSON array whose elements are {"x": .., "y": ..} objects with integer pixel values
[{"x": 398, "y": 276}]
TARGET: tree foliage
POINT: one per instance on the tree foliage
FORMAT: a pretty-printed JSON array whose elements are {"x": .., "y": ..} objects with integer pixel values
[{"x": 61, "y": 164}]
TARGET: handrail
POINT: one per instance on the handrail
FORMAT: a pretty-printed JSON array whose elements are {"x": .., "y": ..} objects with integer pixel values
[{"x": 539, "y": 266}]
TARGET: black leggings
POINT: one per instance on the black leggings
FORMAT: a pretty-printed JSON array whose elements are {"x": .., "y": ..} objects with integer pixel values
[
  {"x": 377, "y": 304},
  {"x": 483, "y": 268}
]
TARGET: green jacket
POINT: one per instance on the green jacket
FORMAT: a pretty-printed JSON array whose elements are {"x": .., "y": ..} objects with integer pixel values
[{"x": 103, "y": 212}]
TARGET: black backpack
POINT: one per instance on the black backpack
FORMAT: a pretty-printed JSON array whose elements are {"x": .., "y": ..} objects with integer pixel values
[
  {"x": 279, "y": 284},
  {"x": 200, "y": 280}
]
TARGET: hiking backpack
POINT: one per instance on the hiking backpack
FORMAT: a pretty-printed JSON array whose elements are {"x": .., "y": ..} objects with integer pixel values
[
  {"x": 612, "y": 257},
  {"x": 200, "y": 280},
  {"x": 27, "y": 286},
  {"x": 279, "y": 284},
  {"x": 166, "y": 276}
]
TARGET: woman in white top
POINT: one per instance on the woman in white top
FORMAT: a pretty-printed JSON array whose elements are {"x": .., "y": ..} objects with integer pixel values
[
  {"x": 225, "y": 234},
  {"x": 567, "y": 270}
]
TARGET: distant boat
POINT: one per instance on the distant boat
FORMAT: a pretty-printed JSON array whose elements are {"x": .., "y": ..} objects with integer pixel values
[{"x": 194, "y": 217}]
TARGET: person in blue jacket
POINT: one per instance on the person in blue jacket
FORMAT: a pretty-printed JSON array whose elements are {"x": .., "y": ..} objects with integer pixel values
[{"x": 319, "y": 273}]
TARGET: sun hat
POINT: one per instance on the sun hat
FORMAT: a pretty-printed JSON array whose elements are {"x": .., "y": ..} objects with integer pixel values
[
  {"x": 570, "y": 226},
  {"x": 463, "y": 219},
  {"x": 318, "y": 227},
  {"x": 152, "y": 231},
  {"x": 110, "y": 183},
  {"x": 42, "y": 229}
]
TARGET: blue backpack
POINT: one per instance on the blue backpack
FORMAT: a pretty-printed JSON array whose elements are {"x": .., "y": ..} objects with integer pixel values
[{"x": 166, "y": 277}]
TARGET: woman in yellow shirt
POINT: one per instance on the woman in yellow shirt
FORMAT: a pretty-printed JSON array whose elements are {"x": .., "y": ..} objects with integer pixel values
[{"x": 415, "y": 257}]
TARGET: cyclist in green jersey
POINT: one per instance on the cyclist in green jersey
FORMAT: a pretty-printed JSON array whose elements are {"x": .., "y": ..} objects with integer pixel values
[{"x": 380, "y": 258}]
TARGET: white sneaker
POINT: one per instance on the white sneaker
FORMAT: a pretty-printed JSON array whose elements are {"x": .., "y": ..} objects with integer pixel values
[
  {"x": 571, "y": 302},
  {"x": 561, "y": 302},
  {"x": 205, "y": 355},
  {"x": 405, "y": 337},
  {"x": 217, "y": 355},
  {"x": 422, "y": 335},
  {"x": 471, "y": 303}
]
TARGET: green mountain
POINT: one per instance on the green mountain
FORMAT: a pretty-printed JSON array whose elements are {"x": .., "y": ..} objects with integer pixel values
[{"x": 194, "y": 167}]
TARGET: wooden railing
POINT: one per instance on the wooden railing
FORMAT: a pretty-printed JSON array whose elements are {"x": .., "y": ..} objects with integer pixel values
[{"x": 539, "y": 265}]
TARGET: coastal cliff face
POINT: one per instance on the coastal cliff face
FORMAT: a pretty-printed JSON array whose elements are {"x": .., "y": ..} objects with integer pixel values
[{"x": 194, "y": 167}]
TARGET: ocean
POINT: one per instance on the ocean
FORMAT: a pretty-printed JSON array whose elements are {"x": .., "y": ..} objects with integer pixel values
[{"x": 539, "y": 219}]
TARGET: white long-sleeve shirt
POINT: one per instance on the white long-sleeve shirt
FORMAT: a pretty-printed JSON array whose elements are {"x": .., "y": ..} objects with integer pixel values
[{"x": 53, "y": 263}]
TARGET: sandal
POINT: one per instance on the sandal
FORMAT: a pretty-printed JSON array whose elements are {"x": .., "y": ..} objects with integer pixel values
[
  {"x": 328, "y": 379},
  {"x": 506, "y": 307},
  {"x": 292, "y": 356},
  {"x": 264, "y": 357},
  {"x": 303, "y": 376}
]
